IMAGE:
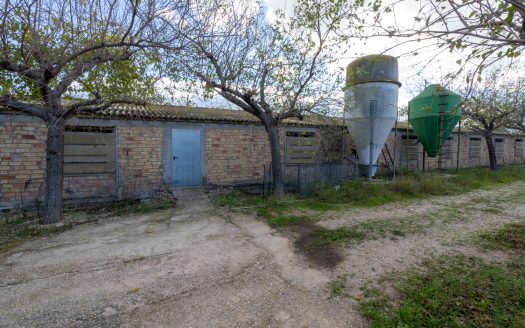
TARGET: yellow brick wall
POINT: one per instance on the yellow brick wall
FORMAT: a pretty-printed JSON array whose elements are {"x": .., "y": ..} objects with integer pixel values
[
  {"x": 139, "y": 160},
  {"x": 22, "y": 161},
  {"x": 234, "y": 156}
]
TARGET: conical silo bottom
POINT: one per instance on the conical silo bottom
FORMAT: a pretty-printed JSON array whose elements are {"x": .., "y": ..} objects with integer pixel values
[{"x": 364, "y": 169}]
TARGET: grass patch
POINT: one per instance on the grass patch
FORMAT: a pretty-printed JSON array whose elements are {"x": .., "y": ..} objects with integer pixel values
[
  {"x": 413, "y": 185},
  {"x": 338, "y": 237},
  {"x": 286, "y": 220},
  {"x": 337, "y": 286},
  {"x": 510, "y": 237},
  {"x": 122, "y": 208},
  {"x": 28, "y": 228},
  {"x": 409, "y": 185},
  {"x": 278, "y": 212},
  {"x": 386, "y": 228},
  {"x": 452, "y": 292}
]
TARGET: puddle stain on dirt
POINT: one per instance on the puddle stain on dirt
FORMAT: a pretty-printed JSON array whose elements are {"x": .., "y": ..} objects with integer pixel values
[{"x": 306, "y": 243}]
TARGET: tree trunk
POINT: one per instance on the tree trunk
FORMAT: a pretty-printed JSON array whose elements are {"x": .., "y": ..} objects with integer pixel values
[
  {"x": 54, "y": 171},
  {"x": 492, "y": 152},
  {"x": 277, "y": 166}
]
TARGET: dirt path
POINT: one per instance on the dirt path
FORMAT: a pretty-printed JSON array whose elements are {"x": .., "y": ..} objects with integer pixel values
[
  {"x": 497, "y": 197},
  {"x": 454, "y": 220},
  {"x": 205, "y": 267},
  {"x": 194, "y": 269}
]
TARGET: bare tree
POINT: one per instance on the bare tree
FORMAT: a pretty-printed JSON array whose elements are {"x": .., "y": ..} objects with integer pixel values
[
  {"x": 55, "y": 49},
  {"x": 272, "y": 70},
  {"x": 482, "y": 32},
  {"x": 490, "y": 106}
]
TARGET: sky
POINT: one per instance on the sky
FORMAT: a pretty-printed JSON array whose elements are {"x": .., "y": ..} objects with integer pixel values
[
  {"x": 411, "y": 74},
  {"x": 409, "y": 65}
]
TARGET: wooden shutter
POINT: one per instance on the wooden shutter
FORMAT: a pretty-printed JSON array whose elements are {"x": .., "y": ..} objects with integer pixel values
[
  {"x": 89, "y": 150},
  {"x": 301, "y": 147},
  {"x": 474, "y": 151}
]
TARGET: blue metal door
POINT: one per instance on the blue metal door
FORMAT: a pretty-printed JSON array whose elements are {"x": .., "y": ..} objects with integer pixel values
[{"x": 186, "y": 152}]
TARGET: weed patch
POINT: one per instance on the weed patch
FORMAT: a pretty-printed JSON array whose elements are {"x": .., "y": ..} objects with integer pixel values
[
  {"x": 385, "y": 228},
  {"x": 451, "y": 292},
  {"x": 510, "y": 237},
  {"x": 286, "y": 220},
  {"x": 337, "y": 286},
  {"x": 413, "y": 185},
  {"x": 339, "y": 236},
  {"x": 408, "y": 186}
]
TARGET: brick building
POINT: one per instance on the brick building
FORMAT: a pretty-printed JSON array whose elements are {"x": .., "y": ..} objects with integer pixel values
[{"x": 132, "y": 151}]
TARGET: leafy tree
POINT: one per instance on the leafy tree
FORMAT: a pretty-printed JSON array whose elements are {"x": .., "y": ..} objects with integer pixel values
[
  {"x": 274, "y": 70},
  {"x": 518, "y": 95},
  {"x": 90, "y": 49},
  {"x": 490, "y": 106}
]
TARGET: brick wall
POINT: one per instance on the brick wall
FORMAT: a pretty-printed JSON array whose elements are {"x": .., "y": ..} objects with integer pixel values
[
  {"x": 22, "y": 161},
  {"x": 464, "y": 159},
  {"x": 139, "y": 160},
  {"x": 100, "y": 186},
  {"x": 234, "y": 156},
  {"x": 22, "y": 158}
]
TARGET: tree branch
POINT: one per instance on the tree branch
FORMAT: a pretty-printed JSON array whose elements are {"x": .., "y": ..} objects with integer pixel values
[{"x": 13, "y": 104}]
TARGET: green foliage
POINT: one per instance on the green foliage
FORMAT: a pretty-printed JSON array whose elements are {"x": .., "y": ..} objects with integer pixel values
[
  {"x": 76, "y": 44},
  {"x": 337, "y": 286},
  {"x": 492, "y": 104},
  {"x": 452, "y": 292},
  {"x": 286, "y": 220},
  {"x": 128, "y": 79},
  {"x": 416, "y": 185},
  {"x": 338, "y": 237},
  {"x": 409, "y": 185},
  {"x": 510, "y": 237}
]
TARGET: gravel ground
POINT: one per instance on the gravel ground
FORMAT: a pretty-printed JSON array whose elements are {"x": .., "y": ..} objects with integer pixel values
[
  {"x": 205, "y": 267},
  {"x": 195, "y": 269}
]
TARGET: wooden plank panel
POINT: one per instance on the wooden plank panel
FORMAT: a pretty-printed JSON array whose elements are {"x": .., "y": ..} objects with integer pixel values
[
  {"x": 89, "y": 168},
  {"x": 73, "y": 150},
  {"x": 300, "y": 140},
  {"x": 302, "y": 143},
  {"x": 89, "y": 138},
  {"x": 410, "y": 152},
  {"x": 88, "y": 159},
  {"x": 303, "y": 148}
]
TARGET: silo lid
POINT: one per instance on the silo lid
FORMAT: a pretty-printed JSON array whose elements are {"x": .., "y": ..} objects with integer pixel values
[{"x": 372, "y": 68}]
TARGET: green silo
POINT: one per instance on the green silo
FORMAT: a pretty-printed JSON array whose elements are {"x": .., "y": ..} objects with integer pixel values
[{"x": 433, "y": 114}]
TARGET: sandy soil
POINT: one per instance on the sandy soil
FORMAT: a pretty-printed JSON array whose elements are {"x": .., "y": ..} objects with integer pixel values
[
  {"x": 205, "y": 267},
  {"x": 197, "y": 268}
]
